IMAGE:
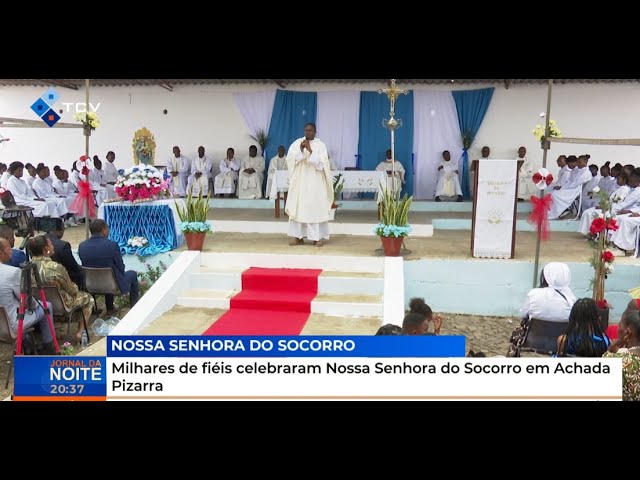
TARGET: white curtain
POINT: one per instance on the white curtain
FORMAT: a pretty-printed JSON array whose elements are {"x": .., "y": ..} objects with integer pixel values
[
  {"x": 338, "y": 125},
  {"x": 435, "y": 130},
  {"x": 256, "y": 109}
]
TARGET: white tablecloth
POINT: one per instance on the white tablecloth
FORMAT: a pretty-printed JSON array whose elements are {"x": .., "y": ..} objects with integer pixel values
[
  {"x": 171, "y": 203},
  {"x": 354, "y": 181}
]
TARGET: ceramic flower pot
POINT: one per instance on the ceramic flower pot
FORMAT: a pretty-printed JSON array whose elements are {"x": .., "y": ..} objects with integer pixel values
[
  {"x": 391, "y": 246},
  {"x": 195, "y": 240},
  {"x": 87, "y": 131}
]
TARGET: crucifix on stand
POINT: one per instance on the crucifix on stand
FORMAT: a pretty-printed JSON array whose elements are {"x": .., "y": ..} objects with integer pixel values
[{"x": 392, "y": 124}]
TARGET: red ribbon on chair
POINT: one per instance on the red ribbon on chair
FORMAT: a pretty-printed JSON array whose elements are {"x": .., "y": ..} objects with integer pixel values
[
  {"x": 540, "y": 214},
  {"x": 84, "y": 197}
]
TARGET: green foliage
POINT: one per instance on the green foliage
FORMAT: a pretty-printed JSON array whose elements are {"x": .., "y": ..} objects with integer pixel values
[
  {"x": 262, "y": 138},
  {"x": 146, "y": 278},
  {"x": 467, "y": 140},
  {"x": 195, "y": 210},
  {"x": 395, "y": 210},
  {"x": 338, "y": 185}
]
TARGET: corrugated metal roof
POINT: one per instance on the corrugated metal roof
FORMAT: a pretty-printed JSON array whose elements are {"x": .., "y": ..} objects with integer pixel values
[{"x": 283, "y": 83}]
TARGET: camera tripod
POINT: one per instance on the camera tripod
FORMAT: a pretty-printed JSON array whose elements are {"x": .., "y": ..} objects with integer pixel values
[{"x": 26, "y": 300}]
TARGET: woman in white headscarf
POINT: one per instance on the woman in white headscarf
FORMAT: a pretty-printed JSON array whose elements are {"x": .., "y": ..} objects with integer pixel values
[{"x": 552, "y": 301}]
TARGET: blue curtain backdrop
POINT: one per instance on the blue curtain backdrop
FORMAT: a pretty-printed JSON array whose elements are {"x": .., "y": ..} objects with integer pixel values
[
  {"x": 291, "y": 110},
  {"x": 375, "y": 139},
  {"x": 471, "y": 106}
]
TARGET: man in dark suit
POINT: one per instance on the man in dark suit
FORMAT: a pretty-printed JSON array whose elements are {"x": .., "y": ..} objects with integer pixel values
[
  {"x": 100, "y": 252},
  {"x": 17, "y": 256},
  {"x": 62, "y": 255}
]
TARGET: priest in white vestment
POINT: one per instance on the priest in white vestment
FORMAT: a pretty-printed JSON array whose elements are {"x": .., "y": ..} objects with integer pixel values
[
  {"x": 24, "y": 195},
  {"x": 526, "y": 187},
  {"x": 565, "y": 195},
  {"x": 200, "y": 174},
  {"x": 180, "y": 168},
  {"x": 448, "y": 179},
  {"x": 279, "y": 162},
  {"x": 226, "y": 181},
  {"x": 251, "y": 175},
  {"x": 310, "y": 189},
  {"x": 617, "y": 200},
  {"x": 110, "y": 170},
  {"x": 394, "y": 179}
]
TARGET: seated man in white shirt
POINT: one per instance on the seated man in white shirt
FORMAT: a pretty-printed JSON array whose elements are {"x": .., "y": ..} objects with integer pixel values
[
  {"x": 448, "y": 180},
  {"x": 200, "y": 174}
]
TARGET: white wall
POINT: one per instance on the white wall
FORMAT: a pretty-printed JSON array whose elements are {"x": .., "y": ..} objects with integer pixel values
[{"x": 207, "y": 115}]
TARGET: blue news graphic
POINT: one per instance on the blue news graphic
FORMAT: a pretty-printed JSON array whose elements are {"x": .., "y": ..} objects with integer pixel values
[
  {"x": 289, "y": 346},
  {"x": 60, "y": 376}
]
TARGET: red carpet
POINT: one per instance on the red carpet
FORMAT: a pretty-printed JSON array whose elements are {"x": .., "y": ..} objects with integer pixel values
[{"x": 273, "y": 301}]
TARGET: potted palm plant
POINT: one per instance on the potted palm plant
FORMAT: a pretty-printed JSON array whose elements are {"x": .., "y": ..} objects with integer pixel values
[
  {"x": 261, "y": 138},
  {"x": 394, "y": 222},
  {"x": 193, "y": 216},
  {"x": 338, "y": 185}
]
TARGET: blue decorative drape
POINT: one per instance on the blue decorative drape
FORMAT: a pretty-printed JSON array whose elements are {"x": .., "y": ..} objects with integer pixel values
[
  {"x": 471, "y": 106},
  {"x": 375, "y": 139},
  {"x": 291, "y": 111},
  {"x": 154, "y": 222}
]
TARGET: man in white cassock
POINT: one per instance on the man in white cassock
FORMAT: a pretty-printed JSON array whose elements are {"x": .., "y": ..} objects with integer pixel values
[
  {"x": 200, "y": 174},
  {"x": 526, "y": 187},
  {"x": 251, "y": 175},
  {"x": 279, "y": 162},
  {"x": 448, "y": 181},
  {"x": 310, "y": 189},
  {"x": 110, "y": 170},
  {"x": 394, "y": 180},
  {"x": 226, "y": 181},
  {"x": 564, "y": 196},
  {"x": 44, "y": 190},
  {"x": 589, "y": 199},
  {"x": 180, "y": 168}
]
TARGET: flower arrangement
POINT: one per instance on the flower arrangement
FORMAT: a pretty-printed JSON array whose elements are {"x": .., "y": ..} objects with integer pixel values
[
  {"x": 394, "y": 216},
  {"x": 141, "y": 184},
  {"x": 67, "y": 349},
  {"x": 602, "y": 258},
  {"x": 338, "y": 185},
  {"x": 194, "y": 214},
  {"x": 89, "y": 120},
  {"x": 137, "y": 242},
  {"x": 554, "y": 131}
]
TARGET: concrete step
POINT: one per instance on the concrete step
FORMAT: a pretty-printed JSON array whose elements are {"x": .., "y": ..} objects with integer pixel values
[
  {"x": 329, "y": 304},
  {"x": 205, "y": 298},
  {"x": 329, "y": 282},
  {"x": 348, "y": 305},
  {"x": 337, "y": 263}
]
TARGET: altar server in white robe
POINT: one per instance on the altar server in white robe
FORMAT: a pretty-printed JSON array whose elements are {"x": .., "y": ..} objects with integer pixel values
[
  {"x": 110, "y": 170},
  {"x": 251, "y": 175},
  {"x": 43, "y": 189},
  {"x": 98, "y": 180},
  {"x": 226, "y": 181},
  {"x": 24, "y": 195},
  {"x": 562, "y": 175},
  {"x": 180, "y": 169},
  {"x": 617, "y": 198},
  {"x": 279, "y": 162},
  {"x": 310, "y": 189},
  {"x": 394, "y": 181},
  {"x": 200, "y": 174},
  {"x": 589, "y": 199},
  {"x": 31, "y": 174},
  {"x": 74, "y": 176},
  {"x": 4, "y": 179},
  {"x": 607, "y": 182},
  {"x": 448, "y": 180},
  {"x": 564, "y": 196},
  {"x": 526, "y": 188},
  {"x": 626, "y": 215}
]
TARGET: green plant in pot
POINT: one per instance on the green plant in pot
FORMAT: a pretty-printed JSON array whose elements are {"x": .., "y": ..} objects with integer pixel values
[
  {"x": 193, "y": 218},
  {"x": 394, "y": 222},
  {"x": 261, "y": 138}
]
